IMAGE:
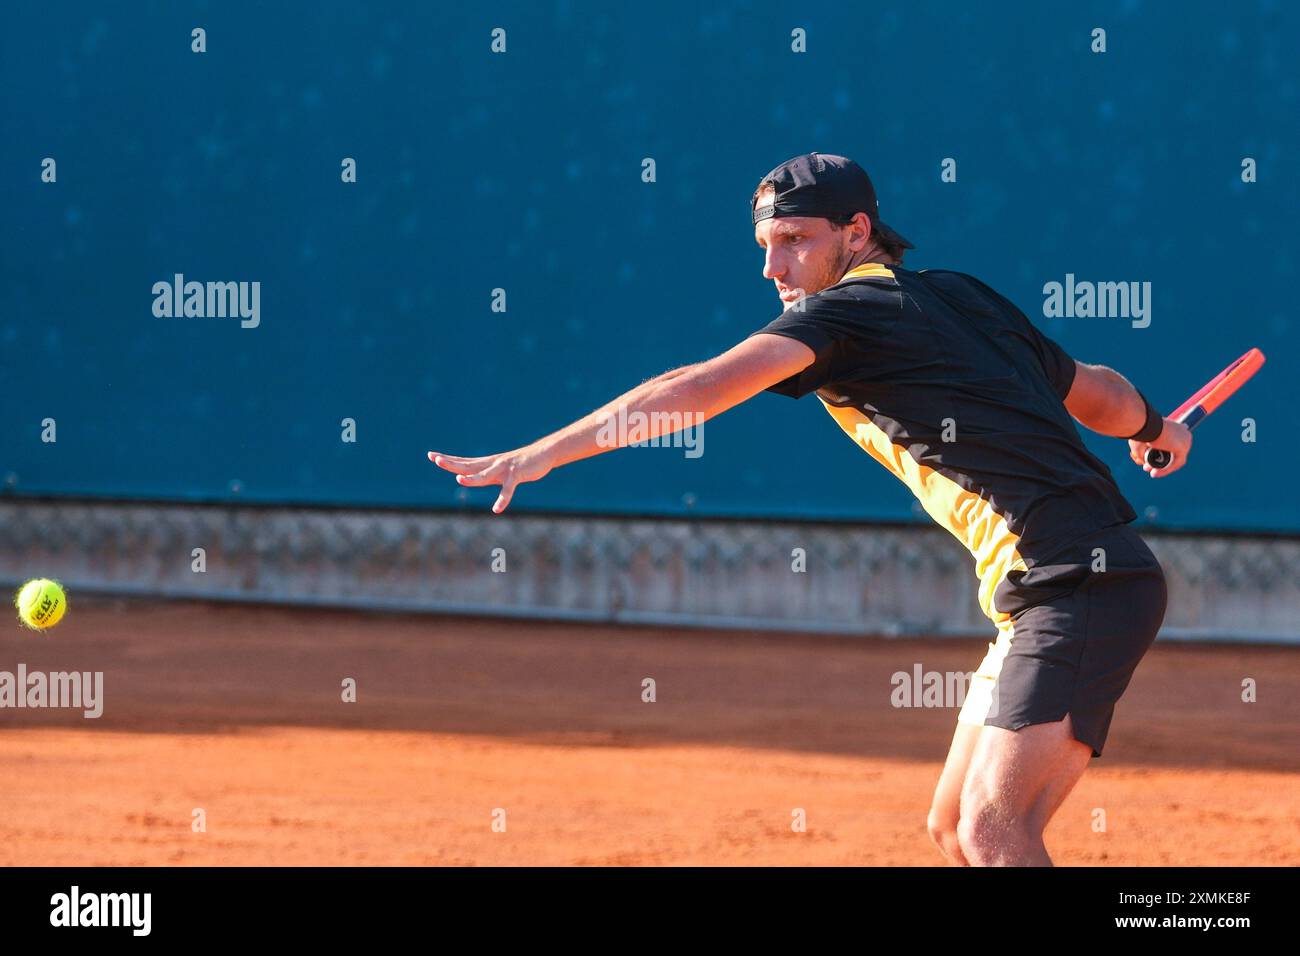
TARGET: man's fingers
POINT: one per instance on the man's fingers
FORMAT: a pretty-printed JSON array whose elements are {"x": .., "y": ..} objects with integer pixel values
[
  {"x": 456, "y": 464},
  {"x": 1176, "y": 462},
  {"x": 490, "y": 470},
  {"x": 503, "y": 499},
  {"x": 489, "y": 476}
]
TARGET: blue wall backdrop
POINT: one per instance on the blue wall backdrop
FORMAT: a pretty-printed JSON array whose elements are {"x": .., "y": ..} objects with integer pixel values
[{"x": 523, "y": 171}]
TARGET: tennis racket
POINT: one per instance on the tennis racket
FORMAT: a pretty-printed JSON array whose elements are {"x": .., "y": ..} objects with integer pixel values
[{"x": 1210, "y": 396}]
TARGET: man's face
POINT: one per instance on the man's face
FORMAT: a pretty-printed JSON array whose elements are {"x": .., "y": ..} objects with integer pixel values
[{"x": 806, "y": 254}]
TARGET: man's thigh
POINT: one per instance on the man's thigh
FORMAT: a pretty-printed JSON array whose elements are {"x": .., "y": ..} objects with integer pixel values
[
  {"x": 945, "y": 809},
  {"x": 1024, "y": 775}
]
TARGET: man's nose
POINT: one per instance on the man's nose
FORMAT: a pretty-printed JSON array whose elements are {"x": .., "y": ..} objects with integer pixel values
[{"x": 773, "y": 265}]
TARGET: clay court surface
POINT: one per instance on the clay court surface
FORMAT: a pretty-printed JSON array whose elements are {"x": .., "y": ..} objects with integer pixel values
[{"x": 237, "y": 710}]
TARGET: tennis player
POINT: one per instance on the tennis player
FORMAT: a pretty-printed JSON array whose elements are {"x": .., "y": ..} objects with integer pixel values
[{"x": 950, "y": 387}]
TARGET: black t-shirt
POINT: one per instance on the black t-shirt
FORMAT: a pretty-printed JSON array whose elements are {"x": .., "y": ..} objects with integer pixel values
[{"x": 949, "y": 386}]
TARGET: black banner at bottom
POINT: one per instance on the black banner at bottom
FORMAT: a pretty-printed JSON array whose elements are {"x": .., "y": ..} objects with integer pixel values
[{"x": 329, "y": 906}]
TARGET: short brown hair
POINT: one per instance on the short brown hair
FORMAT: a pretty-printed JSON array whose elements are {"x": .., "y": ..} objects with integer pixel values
[{"x": 891, "y": 249}]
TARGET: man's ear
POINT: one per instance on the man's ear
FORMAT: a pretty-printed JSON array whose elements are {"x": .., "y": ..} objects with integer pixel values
[{"x": 864, "y": 221}]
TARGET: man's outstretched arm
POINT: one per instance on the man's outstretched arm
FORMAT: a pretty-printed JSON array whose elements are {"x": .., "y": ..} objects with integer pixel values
[
  {"x": 1103, "y": 400},
  {"x": 681, "y": 397}
]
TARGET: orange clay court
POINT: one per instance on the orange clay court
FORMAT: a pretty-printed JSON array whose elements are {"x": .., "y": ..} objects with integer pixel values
[{"x": 237, "y": 710}]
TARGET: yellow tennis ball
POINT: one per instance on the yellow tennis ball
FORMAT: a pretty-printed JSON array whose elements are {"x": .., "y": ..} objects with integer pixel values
[{"x": 41, "y": 603}]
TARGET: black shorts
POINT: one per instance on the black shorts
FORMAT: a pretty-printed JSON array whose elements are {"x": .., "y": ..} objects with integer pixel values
[{"x": 1074, "y": 637}]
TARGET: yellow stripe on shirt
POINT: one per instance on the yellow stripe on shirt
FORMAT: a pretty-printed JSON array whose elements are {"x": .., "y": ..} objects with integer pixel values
[
  {"x": 964, "y": 514},
  {"x": 869, "y": 270}
]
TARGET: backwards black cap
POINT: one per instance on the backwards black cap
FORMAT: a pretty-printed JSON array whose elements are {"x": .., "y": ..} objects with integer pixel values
[{"x": 825, "y": 186}]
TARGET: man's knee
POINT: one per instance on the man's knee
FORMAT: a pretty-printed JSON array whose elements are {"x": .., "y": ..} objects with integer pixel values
[
  {"x": 943, "y": 831},
  {"x": 942, "y": 828},
  {"x": 988, "y": 829},
  {"x": 979, "y": 833}
]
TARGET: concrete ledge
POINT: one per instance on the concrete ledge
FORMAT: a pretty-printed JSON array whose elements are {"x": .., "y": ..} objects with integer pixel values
[{"x": 860, "y": 579}]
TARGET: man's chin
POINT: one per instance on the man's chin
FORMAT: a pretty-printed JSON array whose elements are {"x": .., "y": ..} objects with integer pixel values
[{"x": 803, "y": 293}]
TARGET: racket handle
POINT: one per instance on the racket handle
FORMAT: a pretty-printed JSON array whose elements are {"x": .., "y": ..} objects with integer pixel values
[{"x": 1158, "y": 457}]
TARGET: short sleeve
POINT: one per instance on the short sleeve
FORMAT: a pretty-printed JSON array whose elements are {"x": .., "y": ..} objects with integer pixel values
[
  {"x": 1058, "y": 365},
  {"x": 808, "y": 328}
]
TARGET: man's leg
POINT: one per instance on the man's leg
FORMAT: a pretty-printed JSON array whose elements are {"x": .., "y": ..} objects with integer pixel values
[
  {"x": 1015, "y": 782},
  {"x": 1077, "y": 636},
  {"x": 945, "y": 808}
]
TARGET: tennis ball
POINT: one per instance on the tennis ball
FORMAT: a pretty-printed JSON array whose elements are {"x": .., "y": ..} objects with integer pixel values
[{"x": 41, "y": 603}]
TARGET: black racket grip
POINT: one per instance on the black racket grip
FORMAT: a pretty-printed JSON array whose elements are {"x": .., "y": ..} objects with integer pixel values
[{"x": 1158, "y": 457}]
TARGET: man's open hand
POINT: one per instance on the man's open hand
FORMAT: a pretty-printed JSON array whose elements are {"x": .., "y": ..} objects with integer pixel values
[{"x": 508, "y": 469}]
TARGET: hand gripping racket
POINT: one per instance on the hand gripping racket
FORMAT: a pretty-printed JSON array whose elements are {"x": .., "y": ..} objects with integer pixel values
[{"x": 1210, "y": 396}]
